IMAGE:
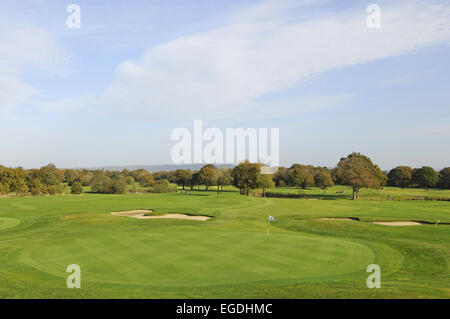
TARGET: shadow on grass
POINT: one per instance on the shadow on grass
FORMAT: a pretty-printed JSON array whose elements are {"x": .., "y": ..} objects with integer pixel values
[
  {"x": 186, "y": 194},
  {"x": 308, "y": 196}
]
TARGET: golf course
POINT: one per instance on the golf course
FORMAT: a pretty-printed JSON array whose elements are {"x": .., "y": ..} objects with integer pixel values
[{"x": 318, "y": 246}]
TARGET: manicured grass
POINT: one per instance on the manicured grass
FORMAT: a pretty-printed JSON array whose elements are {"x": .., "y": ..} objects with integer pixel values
[{"x": 228, "y": 256}]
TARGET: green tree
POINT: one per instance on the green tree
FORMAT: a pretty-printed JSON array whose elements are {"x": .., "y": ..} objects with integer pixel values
[
  {"x": 76, "y": 188},
  {"x": 20, "y": 187},
  {"x": 35, "y": 186},
  {"x": 137, "y": 175},
  {"x": 71, "y": 176},
  {"x": 147, "y": 180},
  {"x": 110, "y": 186},
  {"x": 98, "y": 182},
  {"x": 18, "y": 183},
  {"x": 281, "y": 177},
  {"x": 161, "y": 186},
  {"x": 208, "y": 175},
  {"x": 323, "y": 179},
  {"x": 13, "y": 180},
  {"x": 4, "y": 188},
  {"x": 301, "y": 176},
  {"x": 425, "y": 177},
  {"x": 224, "y": 177},
  {"x": 444, "y": 178},
  {"x": 118, "y": 187},
  {"x": 400, "y": 176},
  {"x": 182, "y": 177},
  {"x": 265, "y": 182},
  {"x": 50, "y": 175},
  {"x": 246, "y": 176},
  {"x": 6, "y": 179},
  {"x": 358, "y": 171},
  {"x": 169, "y": 175},
  {"x": 194, "y": 180},
  {"x": 129, "y": 180},
  {"x": 53, "y": 189},
  {"x": 86, "y": 177},
  {"x": 104, "y": 184}
]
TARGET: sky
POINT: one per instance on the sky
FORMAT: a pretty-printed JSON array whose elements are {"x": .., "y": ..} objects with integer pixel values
[{"x": 112, "y": 91}]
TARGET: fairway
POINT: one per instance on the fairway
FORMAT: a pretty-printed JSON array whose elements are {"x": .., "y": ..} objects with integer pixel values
[{"x": 228, "y": 256}]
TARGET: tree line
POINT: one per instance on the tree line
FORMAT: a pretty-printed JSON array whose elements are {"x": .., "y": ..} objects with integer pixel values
[
  {"x": 49, "y": 180},
  {"x": 356, "y": 170}
]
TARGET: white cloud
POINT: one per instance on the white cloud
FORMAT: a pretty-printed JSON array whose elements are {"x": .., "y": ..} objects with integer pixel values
[
  {"x": 26, "y": 50},
  {"x": 13, "y": 92},
  {"x": 264, "y": 50}
]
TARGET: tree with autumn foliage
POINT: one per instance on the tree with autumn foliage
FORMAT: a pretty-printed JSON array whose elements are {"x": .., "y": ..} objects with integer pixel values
[
  {"x": 357, "y": 171},
  {"x": 246, "y": 176},
  {"x": 208, "y": 175}
]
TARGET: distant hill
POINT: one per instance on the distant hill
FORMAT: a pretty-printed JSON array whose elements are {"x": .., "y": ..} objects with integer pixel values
[{"x": 155, "y": 168}]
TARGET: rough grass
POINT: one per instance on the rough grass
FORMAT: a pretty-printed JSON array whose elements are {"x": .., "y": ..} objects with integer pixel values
[{"x": 228, "y": 256}]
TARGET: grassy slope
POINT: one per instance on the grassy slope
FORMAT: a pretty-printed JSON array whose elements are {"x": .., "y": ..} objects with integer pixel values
[{"x": 228, "y": 256}]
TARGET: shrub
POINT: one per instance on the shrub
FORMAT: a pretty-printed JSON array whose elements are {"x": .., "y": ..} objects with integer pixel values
[
  {"x": 53, "y": 189},
  {"x": 21, "y": 189},
  {"x": 113, "y": 187},
  {"x": 77, "y": 188},
  {"x": 162, "y": 186},
  {"x": 118, "y": 187},
  {"x": 4, "y": 189},
  {"x": 256, "y": 193},
  {"x": 35, "y": 186}
]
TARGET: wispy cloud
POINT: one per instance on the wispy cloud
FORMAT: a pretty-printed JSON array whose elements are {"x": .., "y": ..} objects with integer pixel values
[
  {"x": 263, "y": 50},
  {"x": 26, "y": 50},
  {"x": 13, "y": 93}
]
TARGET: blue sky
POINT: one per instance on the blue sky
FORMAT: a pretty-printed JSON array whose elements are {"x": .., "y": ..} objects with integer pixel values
[{"x": 110, "y": 92}]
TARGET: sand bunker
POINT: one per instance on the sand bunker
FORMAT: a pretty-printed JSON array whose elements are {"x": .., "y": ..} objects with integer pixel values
[
  {"x": 140, "y": 214},
  {"x": 405, "y": 223},
  {"x": 385, "y": 223},
  {"x": 339, "y": 218}
]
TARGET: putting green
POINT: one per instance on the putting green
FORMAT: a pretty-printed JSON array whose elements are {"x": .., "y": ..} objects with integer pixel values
[
  {"x": 199, "y": 258},
  {"x": 6, "y": 222}
]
